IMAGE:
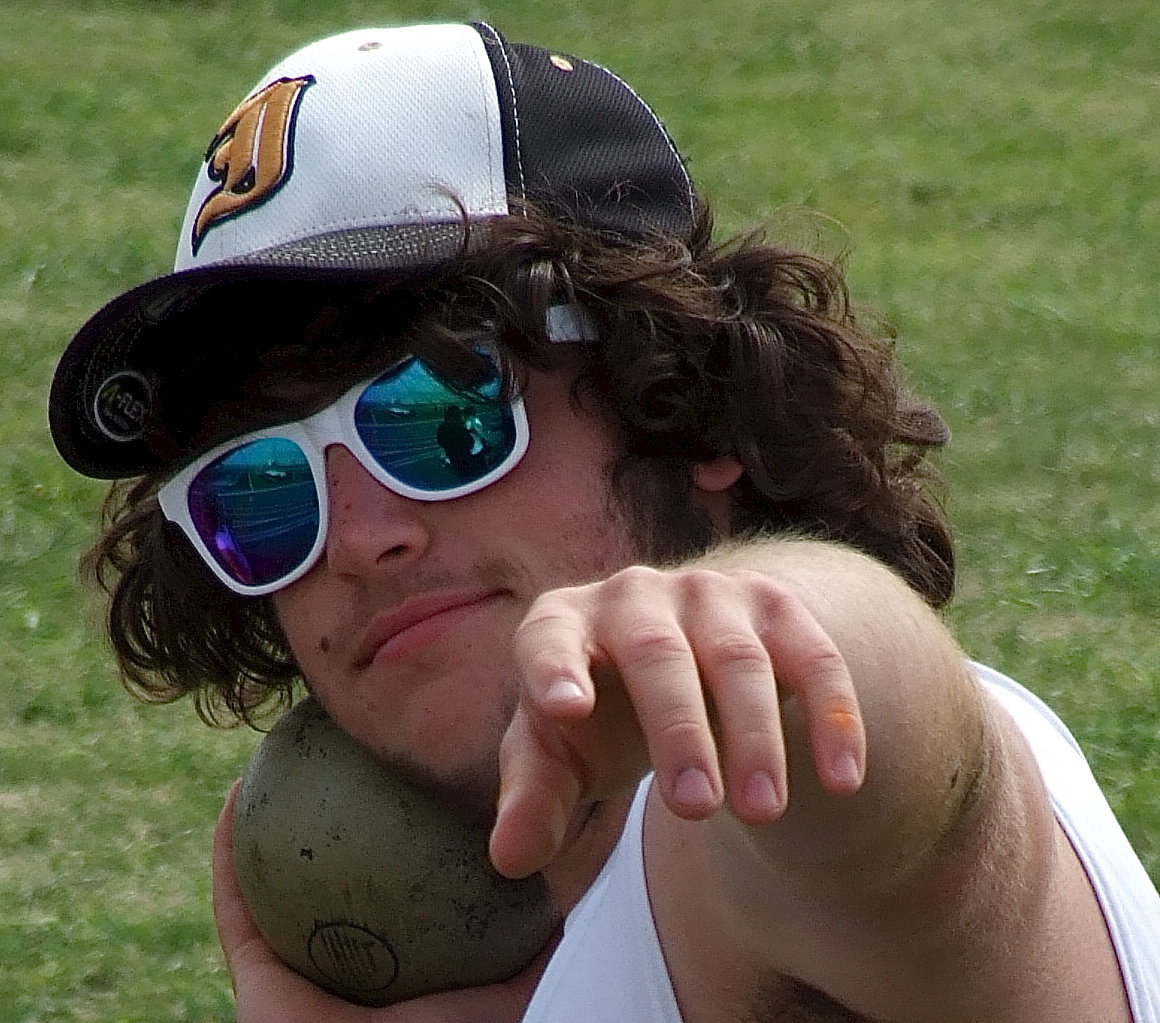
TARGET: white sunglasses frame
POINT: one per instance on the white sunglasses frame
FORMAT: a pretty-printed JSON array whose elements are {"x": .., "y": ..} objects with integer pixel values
[{"x": 313, "y": 435}]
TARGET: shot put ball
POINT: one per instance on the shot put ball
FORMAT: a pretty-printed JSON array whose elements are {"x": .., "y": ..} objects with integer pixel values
[{"x": 366, "y": 885}]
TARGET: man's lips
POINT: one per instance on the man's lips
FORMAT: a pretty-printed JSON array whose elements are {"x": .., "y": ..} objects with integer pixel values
[{"x": 390, "y": 626}]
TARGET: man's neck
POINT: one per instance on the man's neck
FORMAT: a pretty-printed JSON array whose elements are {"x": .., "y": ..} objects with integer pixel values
[{"x": 592, "y": 837}]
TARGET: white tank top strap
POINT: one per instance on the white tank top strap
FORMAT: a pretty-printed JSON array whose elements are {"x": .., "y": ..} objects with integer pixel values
[{"x": 609, "y": 967}]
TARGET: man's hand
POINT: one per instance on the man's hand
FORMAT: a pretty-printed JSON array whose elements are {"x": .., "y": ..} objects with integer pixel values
[
  {"x": 268, "y": 991},
  {"x": 686, "y": 670}
]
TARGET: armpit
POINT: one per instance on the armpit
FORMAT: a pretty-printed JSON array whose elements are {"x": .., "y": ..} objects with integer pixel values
[{"x": 784, "y": 1000}]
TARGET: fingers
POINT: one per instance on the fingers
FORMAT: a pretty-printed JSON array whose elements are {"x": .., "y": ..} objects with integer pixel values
[
  {"x": 651, "y": 708},
  {"x": 756, "y": 645},
  {"x": 553, "y": 649},
  {"x": 737, "y": 672},
  {"x": 811, "y": 669},
  {"x": 541, "y": 786},
  {"x": 653, "y": 650},
  {"x": 542, "y": 761},
  {"x": 702, "y": 661}
]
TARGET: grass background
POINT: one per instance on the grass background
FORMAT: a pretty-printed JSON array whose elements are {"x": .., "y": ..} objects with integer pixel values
[{"x": 992, "y": 169}]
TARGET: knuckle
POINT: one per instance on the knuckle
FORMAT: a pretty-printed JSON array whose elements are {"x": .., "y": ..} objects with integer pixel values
[
  {"x": 827, "y": 667},
  {"x": 752, "y": 592},
  {"x": 633, "y": 583},
  {"x": 756, "y": 746},
  {"x": 707, "y": 587},
  {"x": 773, "y": 596},
  {"x": 843, "y": 713},
  {"x": 682, "y": 728},
  {"x": 760, "y": 735},
  {"x": 657, "y": 642},
  {"x": 638, "y": 574},
  {"x": 702, "y": 580},
  {"x": 552, "y": 615},
  {"x": 743, "y": 650}
]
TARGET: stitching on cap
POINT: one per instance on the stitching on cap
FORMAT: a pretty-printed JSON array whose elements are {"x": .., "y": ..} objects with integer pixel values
[
  {"x": 515, "y": 105},
  {"x": 664, "y": 134}
]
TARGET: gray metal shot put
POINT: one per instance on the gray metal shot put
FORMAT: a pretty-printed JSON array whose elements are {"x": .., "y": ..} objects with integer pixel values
[{"x": 371, "y": 888}]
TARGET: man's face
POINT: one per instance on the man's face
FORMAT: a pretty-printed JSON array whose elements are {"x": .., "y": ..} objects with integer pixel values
[{"x": 403, "y": 629}]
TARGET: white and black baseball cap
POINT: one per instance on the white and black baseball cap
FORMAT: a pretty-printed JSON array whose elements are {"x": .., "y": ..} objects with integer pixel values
[{"x": 362, "y": 156}]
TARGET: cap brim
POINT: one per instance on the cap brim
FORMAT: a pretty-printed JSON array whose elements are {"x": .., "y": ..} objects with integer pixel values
[{"x": 119, "y": 337}]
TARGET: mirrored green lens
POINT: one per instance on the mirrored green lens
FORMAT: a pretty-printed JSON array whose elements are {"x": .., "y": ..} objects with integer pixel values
[
  {"x": 256, "y": 509},
  {"x": 430, "y": 434}
]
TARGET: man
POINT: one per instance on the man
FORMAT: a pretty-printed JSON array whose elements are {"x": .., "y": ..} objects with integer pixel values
[{"x": 680, "y": 620}]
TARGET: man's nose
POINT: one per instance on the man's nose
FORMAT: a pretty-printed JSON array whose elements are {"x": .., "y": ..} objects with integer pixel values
[{"x": 372, "y": 529}]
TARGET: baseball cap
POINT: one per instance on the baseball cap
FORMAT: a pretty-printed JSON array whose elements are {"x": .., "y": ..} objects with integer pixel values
[{"x": 366, "y": 155}]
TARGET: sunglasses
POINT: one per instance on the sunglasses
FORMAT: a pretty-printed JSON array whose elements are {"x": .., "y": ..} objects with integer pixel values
[{"x": 256, "y": 508}]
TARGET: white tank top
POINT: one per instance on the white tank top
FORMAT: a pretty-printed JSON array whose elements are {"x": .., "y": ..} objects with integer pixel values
[{"x": 609, "y": 967}]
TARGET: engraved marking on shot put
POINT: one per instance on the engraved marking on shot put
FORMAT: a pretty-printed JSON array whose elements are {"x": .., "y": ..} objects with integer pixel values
[{"x": 353, "y": 956}]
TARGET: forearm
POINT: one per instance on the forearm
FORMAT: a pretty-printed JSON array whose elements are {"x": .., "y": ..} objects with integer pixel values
[
  {"x": 896, "y": 895},
  {"x": 923, "y": 715},
  {"x": 905, "y": 866}
]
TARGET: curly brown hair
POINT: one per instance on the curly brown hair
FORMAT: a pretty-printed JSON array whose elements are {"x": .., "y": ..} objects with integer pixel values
[{"x": 745, "y": 348}]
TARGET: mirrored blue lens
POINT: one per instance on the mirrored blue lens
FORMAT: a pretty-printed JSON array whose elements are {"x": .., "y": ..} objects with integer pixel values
[
  {"x": 256, "y": 509},
  {"x": 430, "y": 434}
]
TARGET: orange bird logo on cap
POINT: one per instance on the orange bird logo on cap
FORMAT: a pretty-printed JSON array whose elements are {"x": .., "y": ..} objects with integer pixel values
[{"x": 252, "y": 153}]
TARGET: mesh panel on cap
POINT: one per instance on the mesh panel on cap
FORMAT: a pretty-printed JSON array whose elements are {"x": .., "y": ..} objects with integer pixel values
[
  {"x": 584, "y": 146},
  {"x": 368, "y": 248}
]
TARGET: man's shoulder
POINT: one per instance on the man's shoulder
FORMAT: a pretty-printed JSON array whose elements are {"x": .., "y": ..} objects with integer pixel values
[{"x": 1127, "y": 897}]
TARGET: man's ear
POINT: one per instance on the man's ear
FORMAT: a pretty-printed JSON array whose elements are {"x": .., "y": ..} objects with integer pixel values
[{"x": 717, "y": 474}]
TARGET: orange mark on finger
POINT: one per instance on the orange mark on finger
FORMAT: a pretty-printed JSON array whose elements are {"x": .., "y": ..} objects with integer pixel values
[{"x": 841, "y": 718}]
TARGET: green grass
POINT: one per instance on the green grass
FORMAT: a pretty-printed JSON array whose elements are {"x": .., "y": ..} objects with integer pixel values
[{"x": 993, "y": 171}]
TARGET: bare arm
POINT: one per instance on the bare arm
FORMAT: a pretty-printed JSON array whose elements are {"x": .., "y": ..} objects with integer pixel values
[
  {"x": 926, "y": 725},
  {"x": 931, "y": 884}
]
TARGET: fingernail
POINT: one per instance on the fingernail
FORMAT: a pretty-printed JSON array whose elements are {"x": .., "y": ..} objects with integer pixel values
[
  {"x": 761, "y": 795},
  {"x": 846, "y": 771},
  {"x": 564, "y": 690},
  {"x": 692, "y": 787}
]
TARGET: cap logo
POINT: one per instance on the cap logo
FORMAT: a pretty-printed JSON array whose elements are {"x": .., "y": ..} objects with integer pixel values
[
  {"x": 252, "y": 154},
  {"x": 120, "y": 405}
]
